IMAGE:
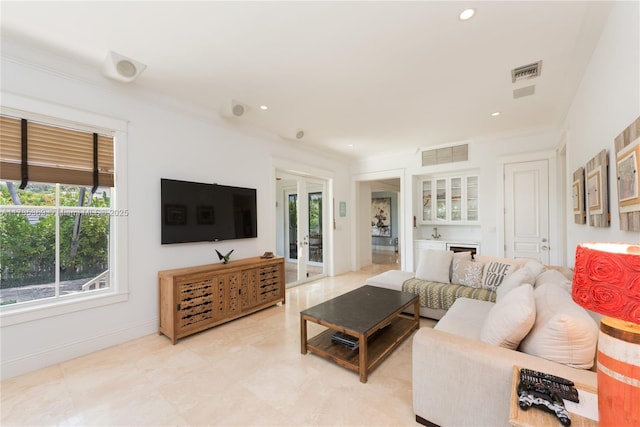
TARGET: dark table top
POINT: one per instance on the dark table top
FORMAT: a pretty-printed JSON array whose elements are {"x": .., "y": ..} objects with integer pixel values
[{"x": 361, "y": 309}]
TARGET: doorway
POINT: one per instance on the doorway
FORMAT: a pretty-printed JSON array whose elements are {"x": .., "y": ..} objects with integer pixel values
[
  {"x": 526, "y": 201},
  {"x": 302, "y": 234}
]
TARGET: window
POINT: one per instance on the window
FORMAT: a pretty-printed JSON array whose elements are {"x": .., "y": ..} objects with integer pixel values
[{"x": 62, "y": 217}]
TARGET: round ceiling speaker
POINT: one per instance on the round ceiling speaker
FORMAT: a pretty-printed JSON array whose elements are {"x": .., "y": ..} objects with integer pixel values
[
  {"x": 300, "y": 134},
  {"x": 126, "y": 68},
  {"x": 237, "y": 110}
]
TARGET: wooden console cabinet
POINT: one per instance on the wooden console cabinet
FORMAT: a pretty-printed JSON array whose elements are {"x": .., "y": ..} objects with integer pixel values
[{"x": 193, "y": 299}]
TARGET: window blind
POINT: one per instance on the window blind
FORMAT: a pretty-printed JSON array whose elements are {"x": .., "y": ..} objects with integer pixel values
[{"x": 55, "y": 154}]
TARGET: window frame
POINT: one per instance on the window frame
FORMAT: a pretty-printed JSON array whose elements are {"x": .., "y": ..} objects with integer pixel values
[{"x": 118, "y": 291}]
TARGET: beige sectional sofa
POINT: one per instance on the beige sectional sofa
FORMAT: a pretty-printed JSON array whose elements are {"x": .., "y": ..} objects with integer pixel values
[{"x": 463, "y": 367}]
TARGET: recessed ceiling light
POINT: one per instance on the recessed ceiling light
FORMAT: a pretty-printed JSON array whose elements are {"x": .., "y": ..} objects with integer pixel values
[
  {"x": 466, "y": 14},
  {"x": 349, "y": 145},
  {"x": 264, "y": 107},
  {"x": 495, "y": 114}
]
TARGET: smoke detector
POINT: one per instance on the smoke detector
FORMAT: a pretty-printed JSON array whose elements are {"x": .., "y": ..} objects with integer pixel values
[
  {"x": 119, "y": 67},
  {"x": 526, "y": 72}
]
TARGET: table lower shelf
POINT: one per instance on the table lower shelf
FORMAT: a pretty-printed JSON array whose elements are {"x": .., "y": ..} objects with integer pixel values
[{"x": 379, "y": 345}]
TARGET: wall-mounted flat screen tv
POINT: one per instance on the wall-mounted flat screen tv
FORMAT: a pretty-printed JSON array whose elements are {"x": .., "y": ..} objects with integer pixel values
[{"x": 198, "y": 212}]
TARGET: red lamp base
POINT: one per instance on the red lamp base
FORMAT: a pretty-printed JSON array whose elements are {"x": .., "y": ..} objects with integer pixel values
[{"x": 618, "y": 373}]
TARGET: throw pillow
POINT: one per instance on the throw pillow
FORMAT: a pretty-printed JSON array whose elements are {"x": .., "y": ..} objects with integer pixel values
[
  {"x": 468, "y": 273},
  {"x": 555, "y": 278},
  {"x": 494, "y": 273},
  {"x": 535, "y": 267},
  {"x": 465, "y": 256},
  {"x": 563, "y": 331},
  {"x": 514, "y": 280},
  {"x": 510, "y": 319},
  {"x": 433, "y": 265}
]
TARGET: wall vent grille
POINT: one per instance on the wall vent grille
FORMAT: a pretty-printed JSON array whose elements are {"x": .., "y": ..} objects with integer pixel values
[
  {"x": 439, "y": 156},
  {"x": 526, "y": 72}
]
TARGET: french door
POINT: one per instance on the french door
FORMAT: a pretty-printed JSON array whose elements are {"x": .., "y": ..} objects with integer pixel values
[{"x": 304, "y": 229}]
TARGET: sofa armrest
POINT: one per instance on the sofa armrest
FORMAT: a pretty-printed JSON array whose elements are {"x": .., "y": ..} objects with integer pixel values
[{"x": 459, "y": 381}]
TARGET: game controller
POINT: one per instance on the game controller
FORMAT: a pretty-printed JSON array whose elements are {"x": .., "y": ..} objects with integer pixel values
[{"x": 541, "y": 397}]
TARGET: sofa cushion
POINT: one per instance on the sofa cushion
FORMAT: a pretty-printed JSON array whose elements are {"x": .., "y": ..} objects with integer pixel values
[
  {"x": 433, "y": 265},
  {"x": 511, "y": 318},
  {"x": 442, "y": 295},
  {"x": 467, "y": 272},
  {"x": 516, "y": 279},
  {"x": 553, "y": 277},
  {"x": 526, "y": 274},
  {"x": 392, "y": 279},
  {"x": 563, "y": 331},
  {"x": 465, "y": 317}
]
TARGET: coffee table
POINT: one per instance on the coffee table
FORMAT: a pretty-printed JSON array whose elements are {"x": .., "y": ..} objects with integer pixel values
[{"x": 374, "y": 315}]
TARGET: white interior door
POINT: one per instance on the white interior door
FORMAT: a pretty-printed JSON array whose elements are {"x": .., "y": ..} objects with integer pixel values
[{"x": 526, "y": 201}]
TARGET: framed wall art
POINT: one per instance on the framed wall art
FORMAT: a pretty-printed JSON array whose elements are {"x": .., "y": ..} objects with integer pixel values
[
  {"x": 381, "y": 217},
  {"x": 577, "y": 197},
  {"x": 627, "y": 146},
  {"x": 597, "y": 197}
]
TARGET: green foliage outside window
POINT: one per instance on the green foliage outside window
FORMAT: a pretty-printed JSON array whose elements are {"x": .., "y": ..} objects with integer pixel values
[{"x": 27, "y": 242}]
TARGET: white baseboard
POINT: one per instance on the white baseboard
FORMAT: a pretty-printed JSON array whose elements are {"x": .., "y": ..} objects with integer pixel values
[{"x": 70, "y": 350}]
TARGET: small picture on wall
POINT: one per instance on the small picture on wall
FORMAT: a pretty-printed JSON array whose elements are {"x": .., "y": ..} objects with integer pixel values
[
  {"x": 594, "y": 190},
  {"x": 628, "y": 177},
  {"x": 576, "y": 196},
  {"x": 381, "y": 217}
]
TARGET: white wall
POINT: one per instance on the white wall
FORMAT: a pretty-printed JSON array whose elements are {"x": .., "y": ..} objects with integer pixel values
[
  {"x": 486, "y": 158},
  {"x": 607, "y": 101},
  {"x": 163, "y": 142}
]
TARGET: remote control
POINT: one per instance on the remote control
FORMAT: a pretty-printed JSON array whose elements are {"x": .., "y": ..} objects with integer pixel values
[
  {"x": 549, "y": 377},
  {"x": 563, "y": 387}
]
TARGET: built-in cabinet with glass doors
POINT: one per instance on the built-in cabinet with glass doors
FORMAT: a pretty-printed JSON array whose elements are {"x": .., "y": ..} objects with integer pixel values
[{"x": 450, "y": 199}]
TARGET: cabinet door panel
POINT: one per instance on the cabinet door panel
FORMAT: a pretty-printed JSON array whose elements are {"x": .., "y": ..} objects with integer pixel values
[{"x": 195, "y": 302}]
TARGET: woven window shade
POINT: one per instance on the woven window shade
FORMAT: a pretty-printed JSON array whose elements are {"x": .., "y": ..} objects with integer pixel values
[{"x": 54, "y": 154}]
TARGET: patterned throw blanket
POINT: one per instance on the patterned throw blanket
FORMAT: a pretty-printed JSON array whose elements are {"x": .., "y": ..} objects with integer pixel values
[{"x": 443, "y": 295}]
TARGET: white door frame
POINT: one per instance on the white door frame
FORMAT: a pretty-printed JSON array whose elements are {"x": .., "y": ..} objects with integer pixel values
[
  {"x": 361, "y": 210},
  {"x": 306, "y": 171}
]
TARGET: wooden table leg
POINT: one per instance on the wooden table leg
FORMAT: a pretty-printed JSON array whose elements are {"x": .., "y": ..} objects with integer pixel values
[
  {"x": 416, "y": 313},
  {"x": 303, "y": 335},
  {"x": 363, "y": 368}
]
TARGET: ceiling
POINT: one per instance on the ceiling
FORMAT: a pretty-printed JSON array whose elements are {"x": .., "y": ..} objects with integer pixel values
[{"x": 359, "y": 78}]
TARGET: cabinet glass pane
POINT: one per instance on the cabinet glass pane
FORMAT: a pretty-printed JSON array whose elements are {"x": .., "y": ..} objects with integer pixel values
[
  {"x": 456, "y": 199},
  {"x": 472, "y": 198},
  {"x": 427, "y": 202},
  {"x": 441, "y": 199}
]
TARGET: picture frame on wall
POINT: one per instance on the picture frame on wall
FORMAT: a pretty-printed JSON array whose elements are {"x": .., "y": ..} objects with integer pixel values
[
  {"x": 577, "y": 197},
  {"x": 597, "y": 190},
  {"x": 627, "y": 146},
  {"x": 594, "y": 191},
  {"x": 628, "y": 177},
  {"x": 381, "y": 217}
]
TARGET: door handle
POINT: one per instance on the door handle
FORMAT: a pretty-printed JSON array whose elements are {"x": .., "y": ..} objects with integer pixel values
[{"x": 544, "y": 247}]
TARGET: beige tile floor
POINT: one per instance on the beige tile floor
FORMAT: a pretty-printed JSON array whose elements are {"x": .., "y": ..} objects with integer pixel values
[{"x": 248, "y": 372}]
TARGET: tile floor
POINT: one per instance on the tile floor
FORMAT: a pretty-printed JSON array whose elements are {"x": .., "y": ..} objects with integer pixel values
[{"x": 248, "y": 372}]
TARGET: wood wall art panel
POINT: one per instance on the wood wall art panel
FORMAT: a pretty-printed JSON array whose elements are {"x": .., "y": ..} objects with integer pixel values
[
  {"x": 577, "y": 197},
  {"x": 627, "y": 146},
  {"x": 597, "y": 195}
]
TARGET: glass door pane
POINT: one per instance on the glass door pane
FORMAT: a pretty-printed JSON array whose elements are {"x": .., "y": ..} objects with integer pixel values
[
  {"x": 441, "y": 199},
  {"x": 456, "y": 199}
]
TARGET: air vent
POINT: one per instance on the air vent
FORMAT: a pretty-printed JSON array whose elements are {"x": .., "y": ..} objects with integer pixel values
[
  {"x": 526, "y": 72},
  {"x": 524, "y": 91},
  {"x": 439, "y": 156}
]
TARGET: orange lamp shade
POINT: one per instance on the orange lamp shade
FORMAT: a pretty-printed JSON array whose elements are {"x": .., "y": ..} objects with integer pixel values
[{"x": 607, "y": 279}]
